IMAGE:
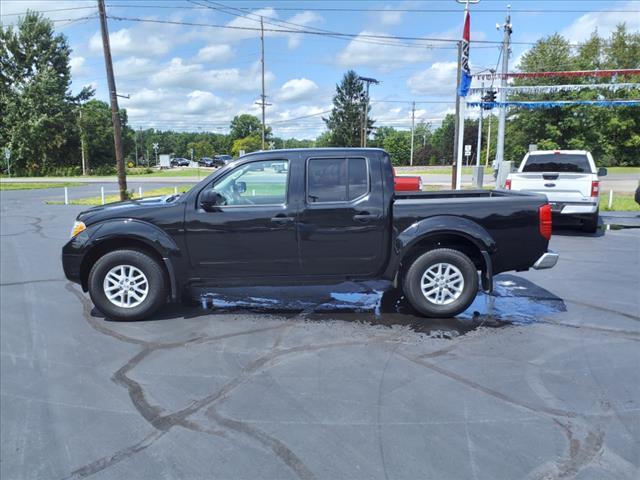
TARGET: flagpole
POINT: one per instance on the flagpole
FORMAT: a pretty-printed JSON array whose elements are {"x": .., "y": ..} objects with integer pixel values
[{"x": 461, "y": 102}]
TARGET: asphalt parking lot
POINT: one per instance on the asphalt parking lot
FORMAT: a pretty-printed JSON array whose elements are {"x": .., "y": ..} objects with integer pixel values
[{"x": 539, "y": 381}]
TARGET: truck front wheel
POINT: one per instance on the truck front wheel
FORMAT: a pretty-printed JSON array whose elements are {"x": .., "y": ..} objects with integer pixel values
[
  {"x": 441, "y": 283},
  {"x": 127, "y": 285}
]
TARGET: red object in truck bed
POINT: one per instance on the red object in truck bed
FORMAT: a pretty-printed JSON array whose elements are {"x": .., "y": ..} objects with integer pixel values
[{"x": 407, "y": 184}]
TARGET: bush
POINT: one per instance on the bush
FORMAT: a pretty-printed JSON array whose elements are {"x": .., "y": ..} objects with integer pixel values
[
  {"x": 104, "y": 170},
  {"x": 63, "y": 171}
]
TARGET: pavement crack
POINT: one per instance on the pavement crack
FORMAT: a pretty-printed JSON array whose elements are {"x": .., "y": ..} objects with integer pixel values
[
  {"x": 490, "y": 391},
  {"x": 279, "y": 448},
  {"x": 110, "y": 460}
]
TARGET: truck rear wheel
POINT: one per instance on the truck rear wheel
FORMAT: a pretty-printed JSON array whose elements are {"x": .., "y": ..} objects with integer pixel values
[
  {"x": 127, "y": 285},
  {"x": 441, "y": 283}
]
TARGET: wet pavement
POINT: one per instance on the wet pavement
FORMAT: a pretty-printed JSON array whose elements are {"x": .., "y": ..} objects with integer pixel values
[{"x": 538, "y": 381}]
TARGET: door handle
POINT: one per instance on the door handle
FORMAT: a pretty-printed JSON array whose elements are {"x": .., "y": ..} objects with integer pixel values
[
  {"x": 281, "y": 219},
  {"x": 364, "y": 217}
]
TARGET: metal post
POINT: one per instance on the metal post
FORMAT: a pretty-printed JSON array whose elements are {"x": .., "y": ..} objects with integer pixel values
[
  {"x": 102, "y": 194},
  {"x": 457, "y": 124},
  {"x": 115, "y": 113},
  {"x": 479, "y": 146},
  {"x": 610, "y": 199},
  {"x": 413, "y": 128},
  {"x": 66, "y": 196},
  {"x": 503, "y": 91},
  {"x": 175, "y": 190},
  {"x": 263, "y": 96},
  {"x": 139, "y": 192},
  {"x": 488, "y": 140}
]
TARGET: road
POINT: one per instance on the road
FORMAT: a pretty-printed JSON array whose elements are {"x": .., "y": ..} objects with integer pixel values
[
  {"x": 618, "y": 182},
  {"x": 337, "y": 382}
]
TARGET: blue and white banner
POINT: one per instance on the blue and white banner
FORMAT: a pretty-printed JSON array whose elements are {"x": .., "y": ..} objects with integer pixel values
[
  {"x": 612, "y": 87},
  {"x": 558, "y": 103},
  {"x": 465, "y": 74}
]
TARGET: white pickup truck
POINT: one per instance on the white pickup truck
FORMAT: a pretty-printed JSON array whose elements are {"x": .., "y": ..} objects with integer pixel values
[{"x": 569, "y": 179}]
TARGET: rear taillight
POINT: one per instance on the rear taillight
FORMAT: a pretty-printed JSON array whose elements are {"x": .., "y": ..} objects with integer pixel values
[
  {"x": 595, "y": 188},
  {"x": 544, "y": 216},
  {"x": 507, "y": 184}
]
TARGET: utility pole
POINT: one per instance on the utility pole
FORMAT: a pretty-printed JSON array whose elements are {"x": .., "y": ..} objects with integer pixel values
[
  {"x": 413, "y": 128},
  {"x": 479, "y": 146},
  {"x": 135, "y": 139},
  {"x": 115, "y": 113},
  {"x": 263, "y": 97},
  {"x": 454, "y": 170},
  {"x": 82, "y": 143},
  {"x": 488, "y": 140},
  {"x": 365, "y": 120},
  {"x": 503, "y": 91}
]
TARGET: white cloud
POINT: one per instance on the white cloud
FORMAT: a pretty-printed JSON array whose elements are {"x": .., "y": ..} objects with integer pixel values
[
  {"x": 193, "y": 75},
  {"x": 297, "y": 89},
  {"x": 76, "y": 64},
  {"x": 390, "y": 18},
  {"x": 382, "y": 54},
  {"x": 215, "y": 53},
  {"x": 133, "y": 42},
  {"x": 202, "y": 102},
  {"x": 439, "y": 79},
  {"x": 133, "y": 67},
  {"x": 248, "y": 27},
  {"x": 582, "y": 28}
]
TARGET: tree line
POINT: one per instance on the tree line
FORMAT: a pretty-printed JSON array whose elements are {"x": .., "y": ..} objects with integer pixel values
[{"x": 48, "y": 129}]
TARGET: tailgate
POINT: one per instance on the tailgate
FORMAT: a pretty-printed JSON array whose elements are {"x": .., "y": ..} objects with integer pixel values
[{"x": 558, "y": 187}]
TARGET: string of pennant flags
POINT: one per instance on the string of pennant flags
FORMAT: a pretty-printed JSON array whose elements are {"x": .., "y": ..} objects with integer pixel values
[
  {"x": 567, "y": 73},
  {"x": 554, "y": 103},
  {"x": 613, "y": 87}
]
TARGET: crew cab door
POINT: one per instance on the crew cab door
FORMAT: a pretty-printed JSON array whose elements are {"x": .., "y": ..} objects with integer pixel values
[
  {"x": 341, "y": 222},
  {"x": 253, "y": 234}
]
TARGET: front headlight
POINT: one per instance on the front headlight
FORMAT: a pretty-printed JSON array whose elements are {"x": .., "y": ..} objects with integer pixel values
[{"x": 78, "y": 227}]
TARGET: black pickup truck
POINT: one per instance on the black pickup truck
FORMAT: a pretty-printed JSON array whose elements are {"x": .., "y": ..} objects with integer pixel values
[{"x": 330, "y": 215}]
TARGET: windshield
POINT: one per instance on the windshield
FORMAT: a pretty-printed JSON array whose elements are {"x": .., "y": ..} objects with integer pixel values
[{"x": 558, "y": 162}]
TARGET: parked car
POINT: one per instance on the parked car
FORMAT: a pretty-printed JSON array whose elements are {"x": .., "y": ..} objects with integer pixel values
[
  {"x": 223, "y": 159},
  {"x": 180, "y": 162},
  {"x": 637, "y": 195},
  {"x": 206, "y": 162},
  {"x": 334, "y": 217},
  {"x": 569, "y": 179}
]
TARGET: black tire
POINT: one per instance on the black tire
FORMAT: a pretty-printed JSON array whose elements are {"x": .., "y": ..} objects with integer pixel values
[
  {"x": 152, "y": 270},
  {"x": 413, "y": 279},
  {"x": 590, "y": 225}
]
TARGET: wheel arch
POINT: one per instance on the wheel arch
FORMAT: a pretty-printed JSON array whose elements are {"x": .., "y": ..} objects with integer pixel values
[
  {"x": 142, "y": 237},
  {"x": 451, "y": 232}
]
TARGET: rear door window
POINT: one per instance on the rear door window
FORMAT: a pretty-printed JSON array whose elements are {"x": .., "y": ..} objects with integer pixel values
[
  {"x": 336, "y": 179},
  {"x": 557, "y": 162}
]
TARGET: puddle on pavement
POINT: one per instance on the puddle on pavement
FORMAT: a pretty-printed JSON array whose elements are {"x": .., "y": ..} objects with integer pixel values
[{"x": 515, "y": 301}]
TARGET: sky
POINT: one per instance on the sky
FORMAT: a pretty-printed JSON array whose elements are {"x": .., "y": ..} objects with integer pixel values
[{"x": 182, "y": 70}]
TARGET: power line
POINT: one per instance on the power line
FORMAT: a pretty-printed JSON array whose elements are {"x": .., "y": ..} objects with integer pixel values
[{"x": 313, "y": 32}]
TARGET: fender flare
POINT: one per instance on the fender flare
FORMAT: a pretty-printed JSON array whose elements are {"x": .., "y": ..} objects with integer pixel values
[
  {"x": 140, "y": 231},
  {"x": 445, "y": 225}
]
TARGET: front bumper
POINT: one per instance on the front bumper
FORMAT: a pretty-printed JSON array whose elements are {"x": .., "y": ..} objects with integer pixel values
[
  {"x": 71, "y": 265},
  {"x": 547, "y": 260}
]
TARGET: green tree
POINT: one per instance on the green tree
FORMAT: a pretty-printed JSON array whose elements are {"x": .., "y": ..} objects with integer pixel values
[
  {"x": 201, "y": 148},
  {"x": 39, "y": 112},
  {"x": 398, "y": 145},
  {"x": 246, "y": 125},
  {"x": 252, "y": 143},
  {"x": 345, "y": 121}
]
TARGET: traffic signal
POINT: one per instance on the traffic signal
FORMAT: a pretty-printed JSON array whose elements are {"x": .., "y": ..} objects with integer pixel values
[{"x": 489, "y": 97}]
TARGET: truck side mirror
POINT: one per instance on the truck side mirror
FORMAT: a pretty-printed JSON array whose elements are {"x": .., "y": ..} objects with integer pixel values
[
  {"x": 602, "y": 172},
  {"x": 210, "y": 200}
]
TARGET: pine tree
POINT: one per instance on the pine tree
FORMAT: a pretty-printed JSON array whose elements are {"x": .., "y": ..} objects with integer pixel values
[
  {"x": 38, "y": 108},
  {"x": 345, "y": 121}
]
